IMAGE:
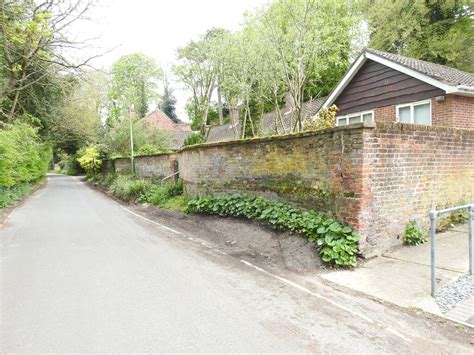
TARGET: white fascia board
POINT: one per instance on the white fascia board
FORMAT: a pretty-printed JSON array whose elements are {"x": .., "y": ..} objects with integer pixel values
[{"x": 344, "y": 81}]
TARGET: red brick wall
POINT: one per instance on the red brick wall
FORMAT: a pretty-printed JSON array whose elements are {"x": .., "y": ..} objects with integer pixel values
[
  {"x": 455, "y": 111},
  {"x": 375, "y": 178},
  {"x": 318, "y": 170},
  {"x": 407, "y": 171},
  {"x": 462, "y": 109}
]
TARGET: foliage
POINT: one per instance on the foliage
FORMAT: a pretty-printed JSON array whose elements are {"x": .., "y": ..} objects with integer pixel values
[
  {"x": 197, "y": 71},
  {"x": 194, "y": 138},
  {"x": 146, "y": 138},
  {"x": 452, "y": 219},
  {"x": 23, "y": 156},
  {"x": 325, "y": 119},
  {"x": 168, "y": 101},
  {"x": 414, "y": 235},
  {"x": 15, "y": 193},
  {"x": 134, "y": 81},
  {"x": 337, "y": 243},
  {"x": 90, "y": 160},
  {"x": 34, "y": 71},
  {"x": 437, "y": 31},
  {"x": 77, "y": 121},
  {"x": 130, "y": 188}
]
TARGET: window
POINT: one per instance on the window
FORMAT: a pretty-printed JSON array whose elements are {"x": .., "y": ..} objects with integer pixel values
[
  {"x": 415, "y": 113},
  {"x": 355, "y": 118}
]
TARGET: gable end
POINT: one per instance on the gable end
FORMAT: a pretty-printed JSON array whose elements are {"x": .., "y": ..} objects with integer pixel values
[{"x": 376, "y": 85}]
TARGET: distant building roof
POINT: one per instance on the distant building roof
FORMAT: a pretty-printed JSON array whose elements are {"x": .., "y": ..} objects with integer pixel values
[
  {"x": 161, "y": 120},
  {"x": 272, "y": 125},
  {"x": 224, "y": 132},
  {"x": 178, "y": 131}
]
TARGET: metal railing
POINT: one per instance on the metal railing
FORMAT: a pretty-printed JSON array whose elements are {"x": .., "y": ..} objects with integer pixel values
[
  {"x": 167, "y": 177},
  {"x": 433, "y": 218}
]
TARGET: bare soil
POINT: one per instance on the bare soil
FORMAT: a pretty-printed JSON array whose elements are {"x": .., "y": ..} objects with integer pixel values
[{"x": 242, "y": 237}]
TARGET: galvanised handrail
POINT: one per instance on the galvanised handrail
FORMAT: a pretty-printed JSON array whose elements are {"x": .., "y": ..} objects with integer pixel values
[{"x": 433, "y": 217}]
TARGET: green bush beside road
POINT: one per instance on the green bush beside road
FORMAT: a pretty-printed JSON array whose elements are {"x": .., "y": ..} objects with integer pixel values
[{"x": 24, "y": 160}]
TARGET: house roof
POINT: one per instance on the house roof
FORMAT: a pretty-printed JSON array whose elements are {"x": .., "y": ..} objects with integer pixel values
[
  {"x": 452, "y": 81},
  {"x": 439, "y": 72},
  {"x": 178, "y": 131},
  {"x": 226, "y": 132},
  {"x": 308, "y": 110},
  {"x": 161, "y": 120}
]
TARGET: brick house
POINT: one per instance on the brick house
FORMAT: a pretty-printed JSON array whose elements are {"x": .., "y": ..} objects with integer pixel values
[
  {"x": 385, "y": 87},
  {"x": 178, "y": 131}
]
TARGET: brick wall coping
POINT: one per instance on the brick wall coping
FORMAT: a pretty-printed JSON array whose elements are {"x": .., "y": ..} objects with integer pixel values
[
  {"x": 280, "y": 137},
  {"x": 146, "y": 155}
]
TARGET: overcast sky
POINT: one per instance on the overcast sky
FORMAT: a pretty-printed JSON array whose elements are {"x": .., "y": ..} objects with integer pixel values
[{"x": 157, "y": 28}]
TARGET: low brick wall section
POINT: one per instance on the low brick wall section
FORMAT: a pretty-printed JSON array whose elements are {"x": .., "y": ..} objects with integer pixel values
[
  {"x": 156, "y": 166},
  {"x": 408, "y": 170},
  {"x": 320, "y": 170},
  {"x": 122, "y": 166}
]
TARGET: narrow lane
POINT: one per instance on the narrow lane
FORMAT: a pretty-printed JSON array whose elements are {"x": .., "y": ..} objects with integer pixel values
[{"x": 81, "y": 274}]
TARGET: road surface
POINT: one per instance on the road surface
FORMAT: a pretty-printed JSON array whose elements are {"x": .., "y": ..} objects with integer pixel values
[{"x": 80, "y": 273}]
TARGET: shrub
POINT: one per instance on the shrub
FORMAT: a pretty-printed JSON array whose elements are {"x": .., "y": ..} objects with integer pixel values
[
  {"x": 414, "y": 235},
  {"x": 12, "y": 194},
  {"x": 90, "y": 160},
  {"x": 129, "y": 188},
  {"x": 24, "y": 158},
  {"x": 194, "y": 138},
  {"x": 325, "y": 119},
  {"x": 337, "y": 243}
]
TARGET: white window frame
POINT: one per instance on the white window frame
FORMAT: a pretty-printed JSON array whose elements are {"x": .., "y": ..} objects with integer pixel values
[
  {"x": 412, "y": 111},
  {"x": 360, "y": 114}
]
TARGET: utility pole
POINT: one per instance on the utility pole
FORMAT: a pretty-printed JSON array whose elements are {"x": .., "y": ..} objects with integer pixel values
[{"x": 131, "y": 113}]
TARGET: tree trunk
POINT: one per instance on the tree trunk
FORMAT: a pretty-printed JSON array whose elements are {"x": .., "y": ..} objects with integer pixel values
[{"x": 219, "y": 105}]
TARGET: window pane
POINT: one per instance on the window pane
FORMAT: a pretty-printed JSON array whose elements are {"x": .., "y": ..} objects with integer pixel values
[
  {"x": 367, "y": 117},
  {"x": 404, "y": 114},
  {"x": 354, "y": 119},
  {"x": 422, "y": 114},
  {"x": 341, "y": 121}
]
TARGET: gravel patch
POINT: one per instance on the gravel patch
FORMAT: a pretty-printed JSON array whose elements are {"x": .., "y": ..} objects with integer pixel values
[{"x": 454, "y": 293}]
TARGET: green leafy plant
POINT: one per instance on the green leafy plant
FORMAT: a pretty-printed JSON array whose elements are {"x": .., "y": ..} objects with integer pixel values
[
  {"x": 194, "y": 138},
  {"x": 338, "y": 244},
  {"x": 90, "y": 160},
  {"x": 325, "y": 119},
  {"x": 414, "y": 235},
  {"x": 129, "y": 188},
  {"x": 24, "y": 157}
]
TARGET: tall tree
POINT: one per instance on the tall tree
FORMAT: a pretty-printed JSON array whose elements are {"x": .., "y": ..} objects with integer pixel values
[
  {"x": 168, "y": 101},
  {"x": 198, "y": 73},
  {"x": 78, "y": 121},
  {"x": 134, "y": 82},
  {"x": 33, "y": 38},
  {"x": 439, "y": 31}
]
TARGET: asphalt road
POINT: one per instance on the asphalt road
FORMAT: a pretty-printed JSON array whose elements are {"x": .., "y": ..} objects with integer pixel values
[{"x": 79, "y": 273}]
